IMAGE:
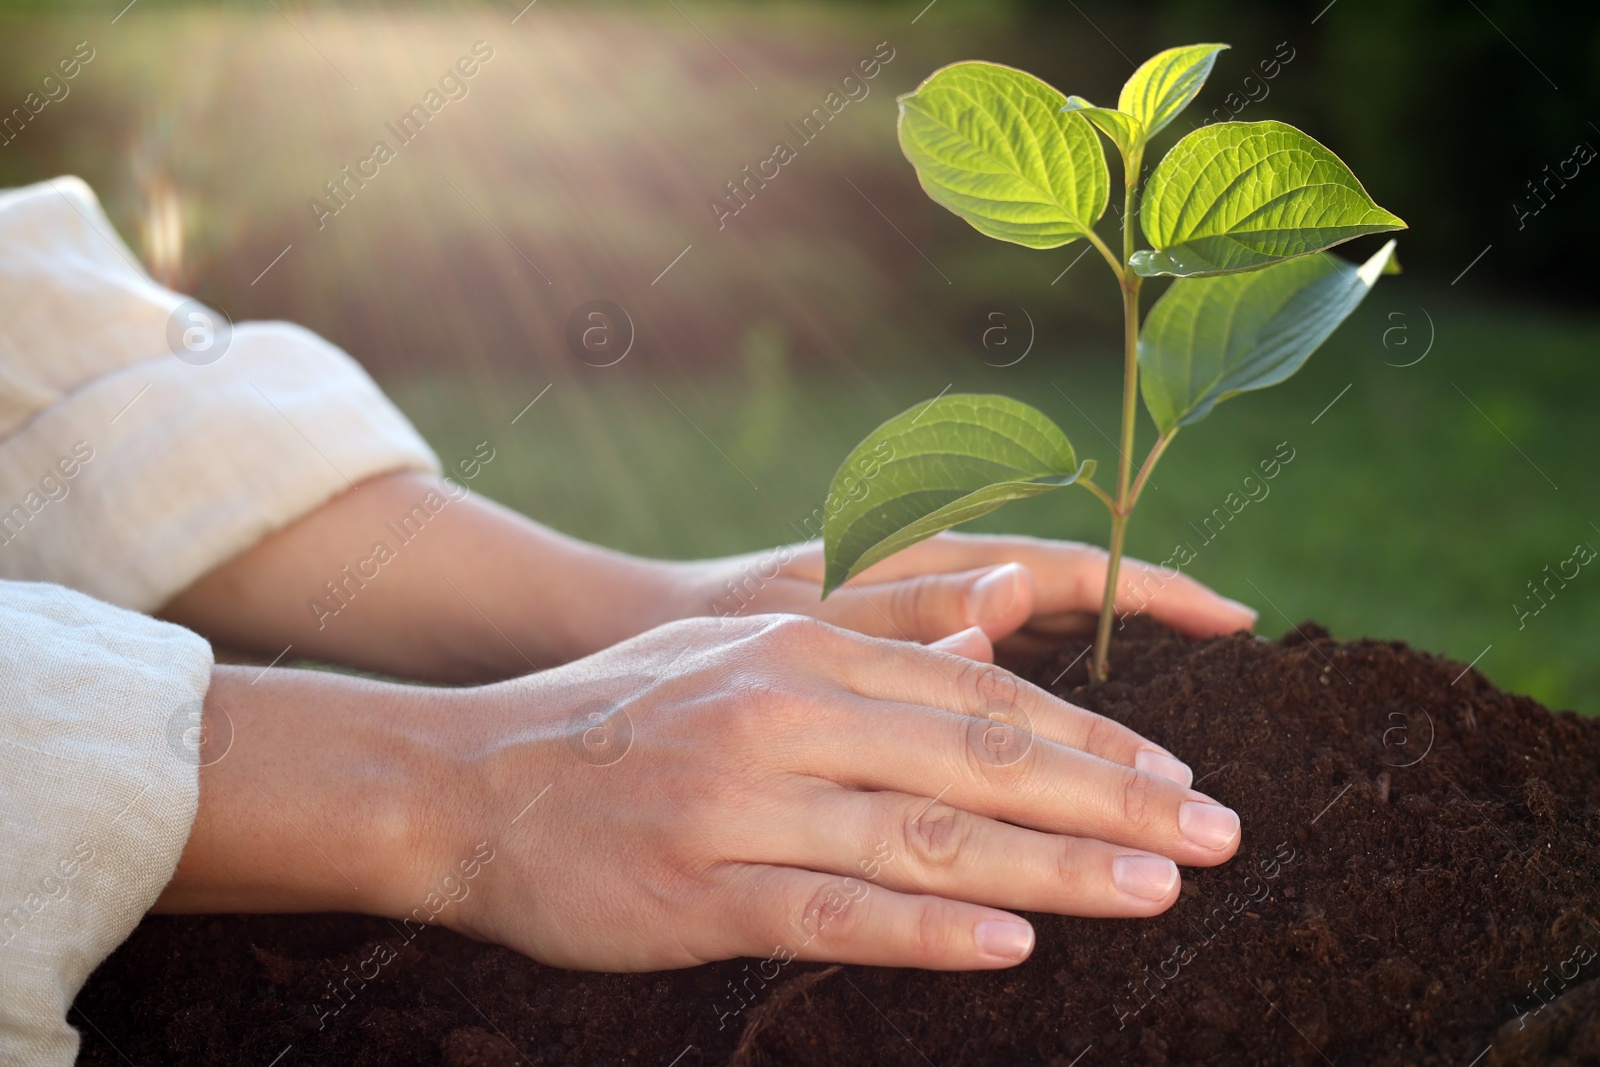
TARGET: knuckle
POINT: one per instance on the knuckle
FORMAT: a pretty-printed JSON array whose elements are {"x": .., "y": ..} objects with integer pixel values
[
  {"x": 758, "y": 699},
  {"x": 932, "y": 929},
  {"x": 997, "y": 729},
  {"x": 913, "y": 601},
  {"x": 832, "y": 914},
  {"x": 1069, "y": 866},
  {"x": 1134, "y": 799},
  {"x": 708, "y": 800},
  {"x": 796, "y": 627},
  {"x": 783, "y": 635},
  {"x": 999, "y": 743},
  {"x": 987, "y": 687},
  {"x": 1103, "y": 734},
  {"x": 754, "y": 706},
  {"x": 935, "y": 835}
]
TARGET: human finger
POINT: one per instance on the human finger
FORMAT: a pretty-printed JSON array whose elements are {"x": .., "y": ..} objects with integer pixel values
[
  {"x": 785, "y": 913},
  {"x": 915, "y": 844},
  {"x": 997, "y": 770},
  {"x": 928, "y": 606},
  {"x": 904, "y": 673}
]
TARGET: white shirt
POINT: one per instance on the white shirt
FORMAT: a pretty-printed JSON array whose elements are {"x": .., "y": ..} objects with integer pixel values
[{"x": 133, "y": 460}]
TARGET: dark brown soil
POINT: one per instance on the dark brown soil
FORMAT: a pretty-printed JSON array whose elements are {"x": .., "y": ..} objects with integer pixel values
[{"x": 1419, "y": 884}]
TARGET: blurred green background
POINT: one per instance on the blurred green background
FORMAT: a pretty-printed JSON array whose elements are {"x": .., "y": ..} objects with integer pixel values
[{"x": 1456, "y": 460}]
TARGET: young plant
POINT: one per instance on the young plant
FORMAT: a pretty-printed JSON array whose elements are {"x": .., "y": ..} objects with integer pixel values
[{"x": 1238, "y": 212}]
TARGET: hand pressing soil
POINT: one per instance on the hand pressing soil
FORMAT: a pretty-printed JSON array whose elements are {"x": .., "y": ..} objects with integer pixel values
[{"x": 1419, "y": 884}]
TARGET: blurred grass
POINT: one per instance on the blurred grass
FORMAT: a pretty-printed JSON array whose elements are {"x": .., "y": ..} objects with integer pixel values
[
  {"x": 1404, "y": 514},
  {"x": 590, "y": 146}
]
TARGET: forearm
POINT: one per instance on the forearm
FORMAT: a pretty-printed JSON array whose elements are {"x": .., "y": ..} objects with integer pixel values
[
  {"x": 397, "y": 577},
  {"x": 318, "y": 792}
]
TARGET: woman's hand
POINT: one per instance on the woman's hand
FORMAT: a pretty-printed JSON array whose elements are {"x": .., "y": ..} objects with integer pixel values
[
  {"x": 1027, "y": 591},
  {"x": 771, "y": 787},
  {"x": 778, "y": 787},
  {"x": 502, "y": 595}
]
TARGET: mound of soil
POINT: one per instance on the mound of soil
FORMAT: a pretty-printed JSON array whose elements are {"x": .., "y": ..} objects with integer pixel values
[{"x": 1419, "y": 884}]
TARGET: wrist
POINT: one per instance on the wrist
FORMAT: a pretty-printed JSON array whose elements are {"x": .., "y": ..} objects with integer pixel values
[
  {"x": 538, "y": 598},
  {"x": 617, "y": 596},
  {"x": 318, "y": 792}
]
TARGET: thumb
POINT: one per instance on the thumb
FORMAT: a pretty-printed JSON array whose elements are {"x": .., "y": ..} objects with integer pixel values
[{"x": 934, "y": 606}]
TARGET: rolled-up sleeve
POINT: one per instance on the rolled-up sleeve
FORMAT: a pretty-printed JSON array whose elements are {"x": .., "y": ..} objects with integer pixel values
[
  {"x": 99, "y": 779},
  {"x": 128, "y": 472},
  {"x": 135, "y": 456}
]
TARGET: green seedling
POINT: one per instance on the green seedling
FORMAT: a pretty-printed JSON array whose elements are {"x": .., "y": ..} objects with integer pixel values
[{"x": 1239, "y": 213}]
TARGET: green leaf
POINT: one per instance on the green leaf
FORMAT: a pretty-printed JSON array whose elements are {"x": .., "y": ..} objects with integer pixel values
[
  {"x": 1240, "y": 195},
  {"x": 936, "y": 465},
  {"x": 991, "y": 144},
  {"x": 1124, "y": 130},
  {"x": 1166, "y": 83},
  {"x": 1208, "y": 339}
]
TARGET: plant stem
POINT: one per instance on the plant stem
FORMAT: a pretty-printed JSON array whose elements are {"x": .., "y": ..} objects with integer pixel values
[
  {"x": 1105, "y": 497},
  {"x": 1109, "y": 256},
  {"x": 1150, "y": 461},
  {"x": 1130, "y": 392}
]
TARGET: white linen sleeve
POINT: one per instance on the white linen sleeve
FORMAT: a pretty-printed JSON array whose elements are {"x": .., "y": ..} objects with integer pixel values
[
  {"x": 99, "y": 781},
  {"x": 128, "y": 472}
]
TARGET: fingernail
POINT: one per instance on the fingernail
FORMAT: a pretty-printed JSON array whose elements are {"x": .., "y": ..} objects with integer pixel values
[
  {"x": 1145, "y": 877},
  {"x": 995, "y": 592},
  {"x": 957, "y": 640},
  {"x": 1004, "y": 939},
  {"x": 1163, "y": 766},
  {"x": 1208, "y": 825},
  {"x": 1245, "y": 608}
]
